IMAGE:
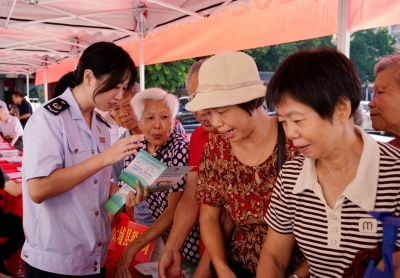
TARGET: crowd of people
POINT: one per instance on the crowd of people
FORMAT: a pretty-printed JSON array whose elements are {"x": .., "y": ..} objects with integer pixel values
[{"x": 283, "y": 195}]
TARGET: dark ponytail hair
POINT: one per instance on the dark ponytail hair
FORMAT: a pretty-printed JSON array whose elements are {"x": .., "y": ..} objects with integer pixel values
[
  {"x": 66, "y": 81},
  {"x": 105, "y": 58}
]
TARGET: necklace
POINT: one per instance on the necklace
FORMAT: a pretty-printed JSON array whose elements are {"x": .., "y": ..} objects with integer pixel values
[{"x": 256, "y": 177}]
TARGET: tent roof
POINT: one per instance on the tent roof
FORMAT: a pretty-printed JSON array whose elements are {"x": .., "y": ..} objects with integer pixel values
[
  {"x": 47, "y": 32},
  {"x": 55, "y": 31}
]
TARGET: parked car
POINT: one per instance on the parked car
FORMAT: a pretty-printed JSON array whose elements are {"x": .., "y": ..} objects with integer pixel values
[{"x": 186, "y": 117}]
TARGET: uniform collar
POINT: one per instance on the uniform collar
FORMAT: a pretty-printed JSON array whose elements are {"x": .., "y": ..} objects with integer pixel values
[
  {"x": 74, "y": 109},
  {"x": 362, "y": 190}
]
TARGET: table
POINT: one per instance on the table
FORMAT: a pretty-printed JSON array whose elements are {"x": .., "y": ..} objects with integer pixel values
[{"x": 13, "y": 205}]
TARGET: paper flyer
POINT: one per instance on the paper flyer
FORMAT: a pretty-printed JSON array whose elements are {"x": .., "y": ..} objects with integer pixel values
[{"x": 148, "y": 171}]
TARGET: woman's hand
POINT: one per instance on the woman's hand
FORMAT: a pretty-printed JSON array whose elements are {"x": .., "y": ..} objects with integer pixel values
[
  {"x": 122, "y": 148},
  {"x": 126, "y": 259},
  {"x": 170, "y": 264},
  {"x": 134, "y": 199}
]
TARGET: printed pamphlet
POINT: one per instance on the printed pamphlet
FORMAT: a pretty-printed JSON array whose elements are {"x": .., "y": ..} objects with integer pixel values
[{"x": 148, "y": 171}]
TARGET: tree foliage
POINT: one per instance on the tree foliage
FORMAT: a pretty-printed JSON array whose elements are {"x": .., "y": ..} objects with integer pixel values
[
  {"x": 268, "y": 58},
  {"x": 367, "y": 48},
  {"x": 168, "y": 76}
]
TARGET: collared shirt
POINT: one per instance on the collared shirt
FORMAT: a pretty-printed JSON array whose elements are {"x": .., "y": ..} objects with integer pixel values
[
  {"x": 116, "y": 131},
  {"x": 330, "y": 237},
  {"x": 69, "y": 233},
  {"x": 24, "y": 108},
  {"x": 11, "y": 127}
]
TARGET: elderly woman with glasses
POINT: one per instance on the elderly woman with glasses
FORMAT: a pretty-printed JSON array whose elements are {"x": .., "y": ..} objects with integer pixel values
[{"x": 155, "y": 110}]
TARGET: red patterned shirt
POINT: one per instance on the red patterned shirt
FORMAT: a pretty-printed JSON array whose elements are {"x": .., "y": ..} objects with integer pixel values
[{"x": 225, "y": 181}]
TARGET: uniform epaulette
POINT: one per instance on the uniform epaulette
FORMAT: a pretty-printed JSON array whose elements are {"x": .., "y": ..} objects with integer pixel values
[
  {"x": 56, "y": 106},
  {"x": 101, "y": 119}
]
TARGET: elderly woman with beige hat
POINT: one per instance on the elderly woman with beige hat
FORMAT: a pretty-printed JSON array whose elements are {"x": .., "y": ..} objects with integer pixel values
[{"x": 240, "y": 165}]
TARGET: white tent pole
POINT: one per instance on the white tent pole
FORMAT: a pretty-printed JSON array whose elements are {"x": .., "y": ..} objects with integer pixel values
[
  {"x": 141, "y": 64},
  {"x": 142, "y": 28},
  {"x": 46, "y": 93},
  {"x": 27, "y": 85},
  {"x": 343, "y": 37}
]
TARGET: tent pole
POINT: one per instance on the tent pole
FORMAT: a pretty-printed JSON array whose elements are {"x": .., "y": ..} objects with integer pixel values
[
  {"x": 142, "y": 29},
  {"x": 46, "y": 93},
  {"x": 141, "y": 64},
  {"x": 27, "y": 85},
  {"x": 343, "y": 37}
]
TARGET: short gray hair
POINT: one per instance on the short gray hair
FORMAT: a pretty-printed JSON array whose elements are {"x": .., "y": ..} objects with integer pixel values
[
  {"x": 154, "y": 94},
  {"x": 194, "y": 68},
  {"x": 387, "y": 62}
]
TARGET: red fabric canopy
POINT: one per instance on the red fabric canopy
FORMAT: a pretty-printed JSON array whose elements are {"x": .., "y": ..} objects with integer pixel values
[{"x": 260, "y": 23}]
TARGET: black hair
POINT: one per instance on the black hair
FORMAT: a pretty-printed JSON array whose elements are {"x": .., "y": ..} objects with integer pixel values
[
  {"x": 317, "y": 78},
  {"x": 105, "y": 58},
  {"x": 66, "y": 81},
  {"x": 252, "y": 105},
  {"x": 18, "y": 94},
  {"x": 2, "y": 180}
]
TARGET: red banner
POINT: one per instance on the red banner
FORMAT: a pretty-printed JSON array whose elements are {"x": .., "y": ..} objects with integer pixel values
[{"x": 126, "y": 231}]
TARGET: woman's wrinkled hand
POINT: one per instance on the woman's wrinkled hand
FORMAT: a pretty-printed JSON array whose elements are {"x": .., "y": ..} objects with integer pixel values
[{"x": 134, "y": 199}]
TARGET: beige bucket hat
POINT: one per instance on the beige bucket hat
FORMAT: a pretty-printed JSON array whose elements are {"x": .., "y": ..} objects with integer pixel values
[{"x": 228, "y": 78}]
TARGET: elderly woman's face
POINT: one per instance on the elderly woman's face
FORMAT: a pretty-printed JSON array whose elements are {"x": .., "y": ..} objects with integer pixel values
[
  {"x": 127, "y": 117},
  {"x": 314, "y": 136},
  {"x": 386, "y": 102},
  {"x": 157, "y": 122}
]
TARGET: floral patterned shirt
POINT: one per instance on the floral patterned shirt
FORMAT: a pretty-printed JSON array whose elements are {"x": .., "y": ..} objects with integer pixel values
[
  {"x": 174, "y": 152},
  {"x": 225, "y": 181}
]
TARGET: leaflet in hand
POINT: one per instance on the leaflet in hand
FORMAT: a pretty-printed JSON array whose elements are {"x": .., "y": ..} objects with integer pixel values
[{"x": 148, "y": 171}]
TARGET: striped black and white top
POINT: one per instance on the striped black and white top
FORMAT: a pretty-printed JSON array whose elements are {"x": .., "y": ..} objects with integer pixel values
[{"x": 330, "y": 237}]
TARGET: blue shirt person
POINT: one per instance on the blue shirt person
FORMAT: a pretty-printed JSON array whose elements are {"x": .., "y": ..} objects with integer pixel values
[{"x": 67, "y": 169}]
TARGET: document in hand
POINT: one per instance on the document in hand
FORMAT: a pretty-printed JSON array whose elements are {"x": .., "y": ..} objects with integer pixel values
[{"x": 148, "y": 171}]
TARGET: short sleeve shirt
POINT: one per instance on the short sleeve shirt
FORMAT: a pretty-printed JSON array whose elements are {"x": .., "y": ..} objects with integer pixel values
[
  {"x": 198, "y": 140},
  {"x": 24, "y": 108},
  {"x": 11, "y": 127},
  {"x": 330, "y": 237},
  {"x": 68, "y": 233},
  {"x": 225, "y": 181}
]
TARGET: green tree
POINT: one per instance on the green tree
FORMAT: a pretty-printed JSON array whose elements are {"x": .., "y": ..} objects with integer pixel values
[
  {"x": 268, "y": 58},
  {"x": 367, "y": 47},
  {"x": 168, "y": 76}
]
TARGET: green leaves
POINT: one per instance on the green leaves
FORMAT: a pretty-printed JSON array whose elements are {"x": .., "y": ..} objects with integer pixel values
[
  {"x": 168, "y": 76},
  {"x": 367, "y": 48},
  {"x": 269, "y": 58}
]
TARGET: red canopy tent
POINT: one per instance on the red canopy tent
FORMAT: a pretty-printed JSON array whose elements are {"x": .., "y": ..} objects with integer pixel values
[{"x": 190, "y": 32}]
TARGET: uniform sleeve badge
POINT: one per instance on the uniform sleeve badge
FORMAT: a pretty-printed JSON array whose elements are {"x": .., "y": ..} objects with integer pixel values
[{"x": 56, "y": 106}]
